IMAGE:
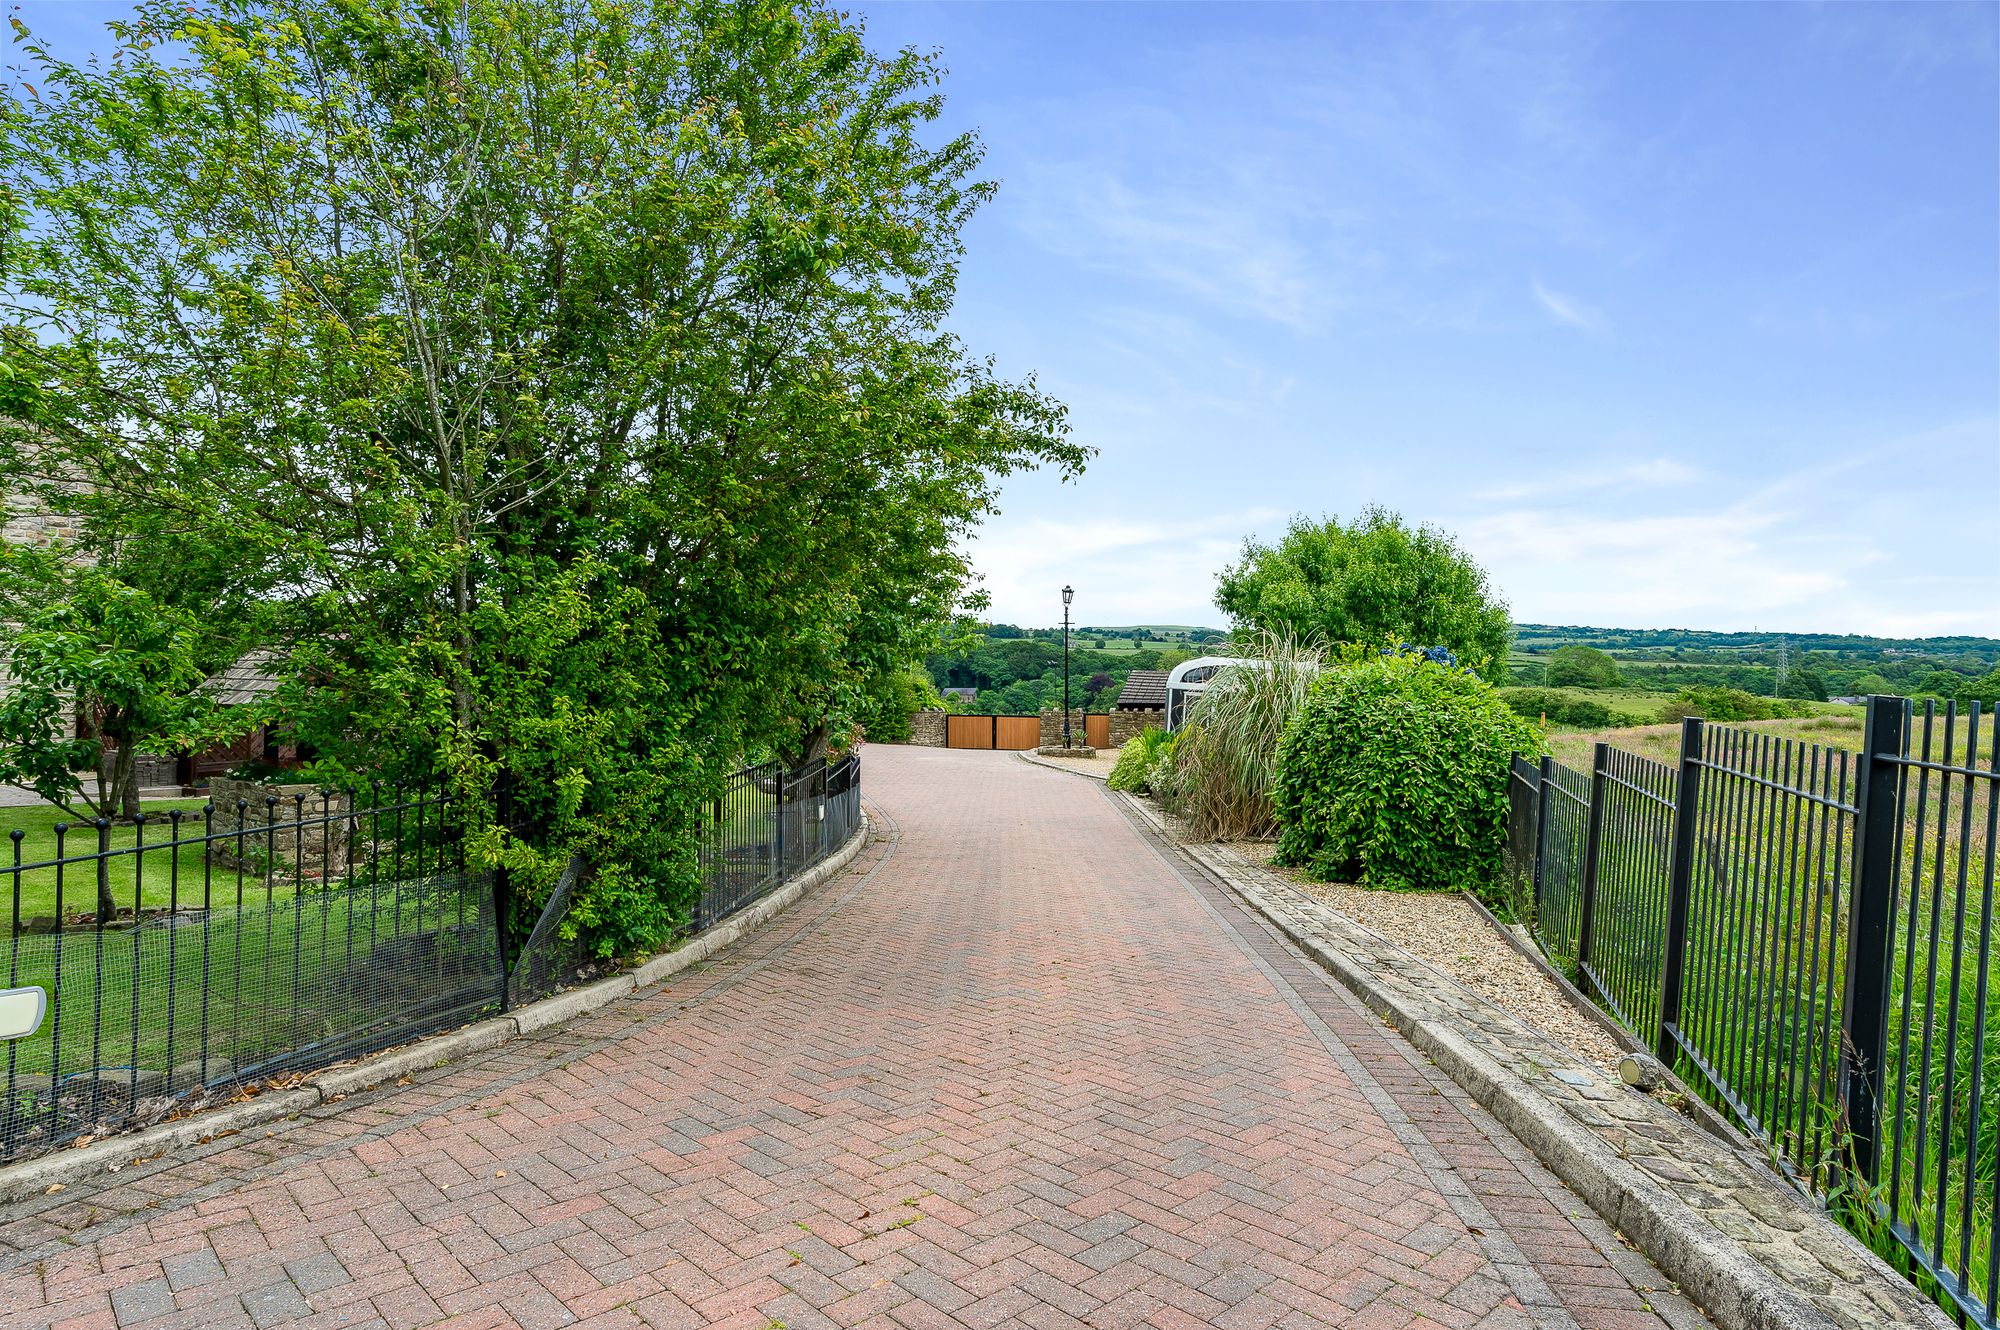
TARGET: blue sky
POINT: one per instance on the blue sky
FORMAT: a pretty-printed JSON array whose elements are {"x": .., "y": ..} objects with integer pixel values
[{"x": 1677, "y": 315}]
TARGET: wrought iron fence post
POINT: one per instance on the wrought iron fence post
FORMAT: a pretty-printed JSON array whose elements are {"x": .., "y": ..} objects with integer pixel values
[
  {"x": 503, "y": 811},
  {"x": 1680, "y": 885},
  {"x": 1545, "y": 774},
  {"x": 1864, "y": 1015},
  {"x": 1586, "y": 912},
  {"x": 782, "y": 782}
]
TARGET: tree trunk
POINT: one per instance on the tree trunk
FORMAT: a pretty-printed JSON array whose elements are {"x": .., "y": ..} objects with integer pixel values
[{"x": 128, "y": 791}]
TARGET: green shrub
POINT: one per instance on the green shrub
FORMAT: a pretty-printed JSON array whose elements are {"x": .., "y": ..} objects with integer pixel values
[
  {"x": 1160, "y": 769},
  {"x": 1559, "y": 708},
  {"x": 890, "y": 700},
  {"x": 1730, "y": 704},
  {"x": 1135, "y": 760},
  {"x": 1394, "y": 774},
  {"x": 1226, "y": 753}
]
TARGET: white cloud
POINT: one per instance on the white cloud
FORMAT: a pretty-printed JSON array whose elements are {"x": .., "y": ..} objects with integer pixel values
[
  {"x": 1124, "y": 571},
  {"x": 1812, "y": 549},
  {"x": 1566, "y": 310},
  {"x": 1216, "y": 239},
  {"x": 1566, "y": 481}
]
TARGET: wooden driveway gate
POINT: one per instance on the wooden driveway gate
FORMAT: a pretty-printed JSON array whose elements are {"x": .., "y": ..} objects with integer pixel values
[{"x": 1010, "y": 732}]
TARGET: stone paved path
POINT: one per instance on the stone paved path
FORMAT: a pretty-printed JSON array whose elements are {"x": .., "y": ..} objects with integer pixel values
[{"x": 1012, "y": 1069}]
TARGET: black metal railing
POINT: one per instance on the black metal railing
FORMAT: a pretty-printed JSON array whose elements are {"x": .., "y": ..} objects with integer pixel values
[
  {"x": 253, "y": 940},
  {"x": 769, "y": 825},
  {"x": 1806, "y": 934}
]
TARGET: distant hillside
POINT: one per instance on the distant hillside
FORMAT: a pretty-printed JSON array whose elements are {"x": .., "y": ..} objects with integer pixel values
[{"x": 1703, "y": 640}]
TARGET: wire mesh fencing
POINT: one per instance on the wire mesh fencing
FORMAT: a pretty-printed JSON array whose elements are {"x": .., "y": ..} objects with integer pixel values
[
  {"x": 1806, "y": 933},
  {"x": 201, "y": 949},
  {"x": 255, "y": 943}
]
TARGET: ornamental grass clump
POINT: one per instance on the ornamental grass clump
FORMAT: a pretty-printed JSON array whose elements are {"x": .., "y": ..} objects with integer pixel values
[
  {"x": 1394, "y": 774},
  {"x": 1225, "y": 756}
]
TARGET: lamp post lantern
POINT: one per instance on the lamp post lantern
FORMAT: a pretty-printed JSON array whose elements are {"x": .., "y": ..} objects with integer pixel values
[{"x": 1067, "y": 593}]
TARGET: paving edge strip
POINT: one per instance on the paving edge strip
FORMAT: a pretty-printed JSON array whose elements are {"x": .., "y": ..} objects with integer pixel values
[
  {"x": 34, "y": 1177},
  {"x": 1738, "y": 1291},
  {"x": 1041, "y": 761}
]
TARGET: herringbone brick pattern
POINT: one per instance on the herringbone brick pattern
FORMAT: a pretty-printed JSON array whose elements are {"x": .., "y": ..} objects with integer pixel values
[{"x": 1010, "y": 1070}]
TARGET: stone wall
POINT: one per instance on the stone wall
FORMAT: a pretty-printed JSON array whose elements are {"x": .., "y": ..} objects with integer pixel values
[
  {"x": 1125, "y": 724},
  {"x": 273, "y": 840},
  {"x": 927, "y": 728},
  {"x": 1052, "y": 718}
]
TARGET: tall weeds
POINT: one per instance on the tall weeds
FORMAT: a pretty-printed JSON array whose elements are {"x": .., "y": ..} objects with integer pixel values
[{"x": 1225, "y": 756}]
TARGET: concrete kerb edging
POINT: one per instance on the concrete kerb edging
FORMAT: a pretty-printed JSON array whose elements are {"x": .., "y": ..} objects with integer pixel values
[
  {"x": 1041, "y": 761},
  {"x": 34, "y": 1177},
  {"x": 1737, "y": 1292}
]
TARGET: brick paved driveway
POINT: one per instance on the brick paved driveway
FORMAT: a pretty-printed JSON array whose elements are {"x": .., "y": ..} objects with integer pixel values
[{"x": 1012, "y": 1069}]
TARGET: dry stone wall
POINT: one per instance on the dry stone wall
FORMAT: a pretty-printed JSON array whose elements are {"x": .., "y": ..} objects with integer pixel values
[
  {"x": 272, "y": 839},
  {"x": 1126, "y": 724}
]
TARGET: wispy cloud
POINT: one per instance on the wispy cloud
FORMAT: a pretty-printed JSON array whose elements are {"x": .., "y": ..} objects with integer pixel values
[
  {"x": 1564, "y": 481},
  {"x": 1124, "y": 570},
  {"x": 1215, "y": 239},
  {"x": 1566, "y": 309}
]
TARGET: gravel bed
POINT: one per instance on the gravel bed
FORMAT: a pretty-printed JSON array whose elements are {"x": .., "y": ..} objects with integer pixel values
[{"x": 1445, "y": 931}]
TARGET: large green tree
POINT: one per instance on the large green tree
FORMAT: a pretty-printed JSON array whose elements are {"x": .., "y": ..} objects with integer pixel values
[
  {"x": 1574, "y": 666},
  {"x": 1376, "y": 581},
  {"x": 571, "y": 374}
]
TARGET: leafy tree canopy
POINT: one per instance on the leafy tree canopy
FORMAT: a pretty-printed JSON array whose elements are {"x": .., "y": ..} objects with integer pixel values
[
  {"x": 1376, "y": 581},
  {"x": 570, "y": 376},
  {"x": 1581, "y": 667}
]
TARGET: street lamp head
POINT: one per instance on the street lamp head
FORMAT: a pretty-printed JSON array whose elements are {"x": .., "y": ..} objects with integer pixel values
[{"x": 1067, "y": 593}]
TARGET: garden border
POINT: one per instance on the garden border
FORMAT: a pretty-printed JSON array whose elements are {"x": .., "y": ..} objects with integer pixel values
[{"x": 35, "y": 1177}]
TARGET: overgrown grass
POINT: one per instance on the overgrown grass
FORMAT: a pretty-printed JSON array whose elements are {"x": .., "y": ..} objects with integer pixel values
[{"x": 1767, "y": 956}]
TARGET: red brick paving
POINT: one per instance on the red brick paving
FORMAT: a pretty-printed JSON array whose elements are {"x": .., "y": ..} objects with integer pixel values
[{"x": 1013, "y": 1069}]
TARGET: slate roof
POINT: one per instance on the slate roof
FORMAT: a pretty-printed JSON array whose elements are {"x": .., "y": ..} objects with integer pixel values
[
  {"x": 1144, "y": 690},
  {"x": 251, "y": 679}
]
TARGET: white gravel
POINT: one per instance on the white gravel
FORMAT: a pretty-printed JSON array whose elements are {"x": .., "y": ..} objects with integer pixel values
[{"x": 1445, "y": 931}]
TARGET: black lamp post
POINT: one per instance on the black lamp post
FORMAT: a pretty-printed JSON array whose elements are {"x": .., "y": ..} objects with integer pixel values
[{"x": 1067, "y": 593}]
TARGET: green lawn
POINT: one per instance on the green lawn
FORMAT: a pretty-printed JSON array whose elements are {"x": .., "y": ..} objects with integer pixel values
[
  {"x": 300, "y": 979},
  {"x": 39, "y": 845}
]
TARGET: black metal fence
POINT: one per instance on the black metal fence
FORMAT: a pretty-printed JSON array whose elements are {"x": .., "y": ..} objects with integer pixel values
[
  {"x": 248, "y": 942},
  {"x": 1806, "y": 934}
]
